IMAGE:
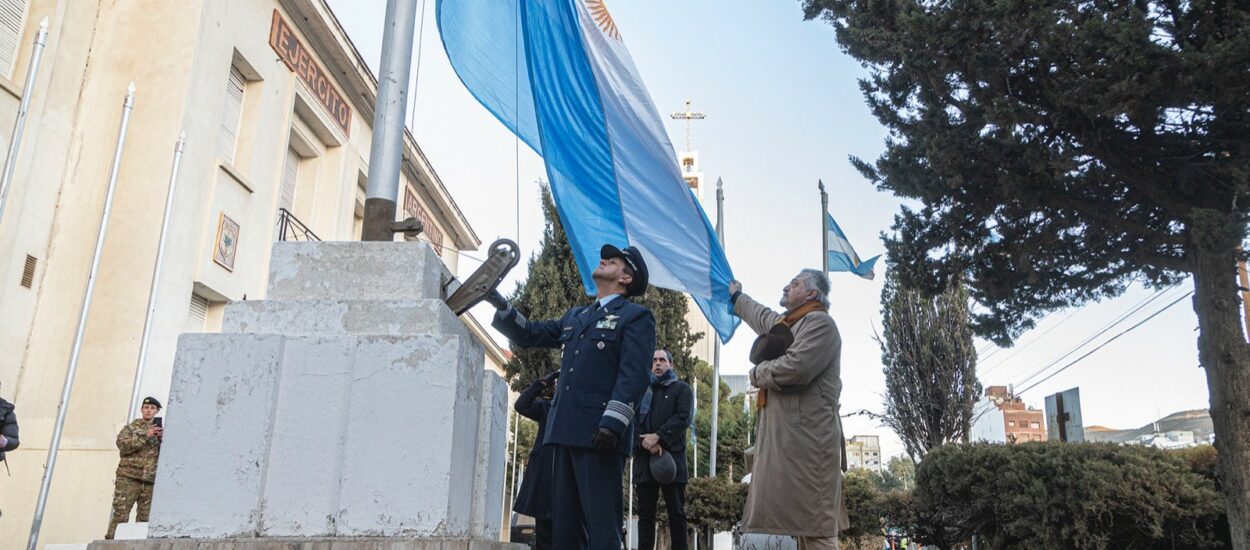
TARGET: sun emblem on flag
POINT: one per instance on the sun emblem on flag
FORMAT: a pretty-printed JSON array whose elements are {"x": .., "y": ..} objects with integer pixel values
[{"x": 599, "y": 11}]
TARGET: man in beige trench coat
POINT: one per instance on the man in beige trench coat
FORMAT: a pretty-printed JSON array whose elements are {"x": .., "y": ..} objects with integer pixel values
[{"x": 796, "y": 481}]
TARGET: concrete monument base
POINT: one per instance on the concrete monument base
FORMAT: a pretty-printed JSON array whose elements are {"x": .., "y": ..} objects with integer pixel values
[
  {"x": 324, "y": 543},
  {"x": 350, "y": 403}
]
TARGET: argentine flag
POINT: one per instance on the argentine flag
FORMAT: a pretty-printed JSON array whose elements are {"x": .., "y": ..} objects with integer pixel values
[
  {"x": 557, "y": 73},
  {"x": 842, "y": 256}
]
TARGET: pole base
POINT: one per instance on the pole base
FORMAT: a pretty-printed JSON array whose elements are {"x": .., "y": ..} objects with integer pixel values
[{"x": 379, "y": 214}]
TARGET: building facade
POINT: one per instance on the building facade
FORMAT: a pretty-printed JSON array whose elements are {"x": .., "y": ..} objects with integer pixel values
[
  {"x": 276, "y": 107},
  {"x": 704, "y": 349},
  {"x": 864, "y": 451},
  {"x": 1002, "y": 417}
]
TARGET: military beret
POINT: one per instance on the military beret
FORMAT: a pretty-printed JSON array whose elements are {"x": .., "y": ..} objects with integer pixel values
[{"x": 152, "y": 401}]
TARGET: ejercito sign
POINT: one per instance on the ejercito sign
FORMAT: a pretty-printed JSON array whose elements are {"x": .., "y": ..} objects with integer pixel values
[{"x": 297, "y": 58}]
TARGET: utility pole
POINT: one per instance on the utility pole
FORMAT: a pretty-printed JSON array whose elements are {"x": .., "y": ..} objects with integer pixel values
[
  {"x": 720, "y": 236},
  {"x": 387, "y": 150},
  {"x": 688, "y": 116}
]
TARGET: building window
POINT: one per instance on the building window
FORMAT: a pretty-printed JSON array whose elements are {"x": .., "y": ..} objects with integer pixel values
[
  {"x": 1034, "y": 425},
  {"x": 12, "y": 17},
  {"x": 197, "y": 313},
  {"x": 290, "y": 178},
  {"x": 358, "y": 215},
  {"x": 231, "y": 115},
  {"x": 1011, "y": 423}
]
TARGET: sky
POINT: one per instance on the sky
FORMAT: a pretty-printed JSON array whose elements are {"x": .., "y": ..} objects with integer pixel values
[{"x": 783, "y": 111}]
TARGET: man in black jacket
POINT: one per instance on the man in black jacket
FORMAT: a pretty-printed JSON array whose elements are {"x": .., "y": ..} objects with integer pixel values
[
  {"x": 664, "y": 416},
  {"x": 534, "y": 497},
  {"x": 8, "y": 429}
]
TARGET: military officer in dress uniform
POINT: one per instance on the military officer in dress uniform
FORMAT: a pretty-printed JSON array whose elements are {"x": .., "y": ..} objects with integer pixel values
[{"x": 603, "y": 374}]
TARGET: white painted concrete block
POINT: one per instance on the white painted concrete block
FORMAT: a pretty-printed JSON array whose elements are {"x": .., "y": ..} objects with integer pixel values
[
  {"x": 412, "y": 433},
  {"x": 352, "y": 270},
  {"x": 488, "y": 484},
  {"x": 306, "y": 452},
  {"x": 131, "y": 531},
  {"x": 216, "y": 446},
  {"x": 342, "y": 317},
  {"x": 349, "y": 404}
]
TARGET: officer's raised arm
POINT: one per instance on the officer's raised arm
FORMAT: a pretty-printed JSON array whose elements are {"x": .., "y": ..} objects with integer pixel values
[{"x": 522, "y": 331}]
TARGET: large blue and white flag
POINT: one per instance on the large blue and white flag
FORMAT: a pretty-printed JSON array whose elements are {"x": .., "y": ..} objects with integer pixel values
[
  {"x": 557, "y": 74},
  {"x": 842, "y": 256}
]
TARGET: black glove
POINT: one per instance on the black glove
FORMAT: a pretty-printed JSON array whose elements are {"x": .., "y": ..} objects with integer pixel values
[
  {"x": 496, "y": 299},
  {"x": 550, "y": 378},
  {"x": 604, "y": 439}
]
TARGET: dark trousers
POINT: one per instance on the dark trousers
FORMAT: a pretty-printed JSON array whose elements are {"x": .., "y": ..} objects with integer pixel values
[
  {"x": 586, "y": 501},
  {"x": 542, "y": 534},
  {"x": 674, "y": 500}
]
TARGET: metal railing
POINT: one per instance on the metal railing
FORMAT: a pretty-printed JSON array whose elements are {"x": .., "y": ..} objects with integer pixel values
[{"x": 291, "y": 229}]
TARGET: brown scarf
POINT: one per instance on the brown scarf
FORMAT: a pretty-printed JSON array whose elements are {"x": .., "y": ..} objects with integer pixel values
[{"x": 774, "y": 344}]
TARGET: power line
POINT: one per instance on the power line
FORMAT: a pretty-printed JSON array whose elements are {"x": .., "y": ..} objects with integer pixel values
[
  {"x": 1124, "y": 316},
  {"x": 1004, "y": 360},
  {"x": 999, "y": 348},
  {"x": 1104, "y": 344}
]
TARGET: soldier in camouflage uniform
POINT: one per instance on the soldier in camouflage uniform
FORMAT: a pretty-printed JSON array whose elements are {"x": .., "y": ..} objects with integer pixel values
[{"x": 140, "y": 445}]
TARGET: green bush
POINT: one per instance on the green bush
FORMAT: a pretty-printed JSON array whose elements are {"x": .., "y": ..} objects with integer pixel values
[
  {"x": 1063, "y": 495},
  {"x": 715, "y": 502},
  {"x": 1201, "y": 459},
  {"x": 863, "y": 505}
]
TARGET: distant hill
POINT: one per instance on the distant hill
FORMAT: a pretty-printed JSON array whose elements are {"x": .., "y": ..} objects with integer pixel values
[{"x": 1197, "y": 421}]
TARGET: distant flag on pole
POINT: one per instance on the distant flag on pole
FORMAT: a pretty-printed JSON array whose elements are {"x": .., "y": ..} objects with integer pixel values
[
  {"x": 842, "y": 256},
  {"x": 558, "y": 75}
]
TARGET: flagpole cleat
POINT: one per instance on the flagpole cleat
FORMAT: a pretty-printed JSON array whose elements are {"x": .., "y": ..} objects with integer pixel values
[{"x": 504, "y": 255}]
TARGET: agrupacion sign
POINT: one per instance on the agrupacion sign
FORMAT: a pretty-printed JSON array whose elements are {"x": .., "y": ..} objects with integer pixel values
[{"x": 297, "y": 58}]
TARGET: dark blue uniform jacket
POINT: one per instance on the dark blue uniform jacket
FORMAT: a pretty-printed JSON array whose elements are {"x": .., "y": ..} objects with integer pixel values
[
  {"x": 603, "y": 372},
  {"x": 534, "y": 497}
]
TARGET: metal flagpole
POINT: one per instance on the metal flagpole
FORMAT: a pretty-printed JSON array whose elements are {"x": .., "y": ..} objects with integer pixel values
[
  {"x": 720, "y": 236},
  {"x": 694, "y": 427},
  {"x": 824, "y": 225},
  {"x": 629, "y": 515},
  {"x": 23, "y": 107},
  {"x": 694, "y": 440},
  {"x": 156, "y": 277},
  {"x": 516, "y": 440},
  {"x": 59, "y": 426},
  {"x": 386, "y": 153}
]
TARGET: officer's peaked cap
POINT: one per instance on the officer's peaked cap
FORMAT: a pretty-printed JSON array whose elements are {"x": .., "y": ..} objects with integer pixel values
[{"x": 632, "y": 258}]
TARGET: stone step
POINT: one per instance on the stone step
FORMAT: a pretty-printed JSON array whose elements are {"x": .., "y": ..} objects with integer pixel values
[
  {"x": 352, "y": 270},
  {"x": 341, "y": 318}
]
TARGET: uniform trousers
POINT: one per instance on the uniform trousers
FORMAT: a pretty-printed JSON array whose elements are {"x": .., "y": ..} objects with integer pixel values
[
  {"x": 542, "y": 534},
  {"x": 126, "y": 493},
  {"x": 586, "y": 500},
  {"x": 674, "y": 501},
  {"x": 818, "y": 543}
]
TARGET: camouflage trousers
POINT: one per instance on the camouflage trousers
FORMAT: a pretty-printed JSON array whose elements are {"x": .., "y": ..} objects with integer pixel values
[{"x": 127, "y": 492}]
